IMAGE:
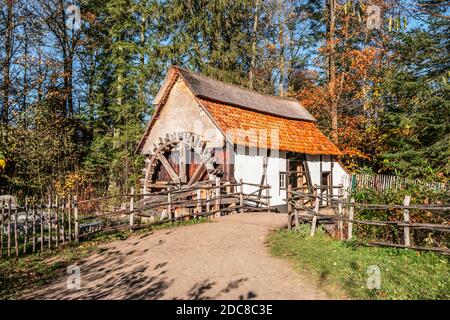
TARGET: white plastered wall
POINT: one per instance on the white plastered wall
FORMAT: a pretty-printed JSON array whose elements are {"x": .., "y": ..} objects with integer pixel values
[
  {"x": 313, "y": 161},
  {"x": 249, "y": 168}
]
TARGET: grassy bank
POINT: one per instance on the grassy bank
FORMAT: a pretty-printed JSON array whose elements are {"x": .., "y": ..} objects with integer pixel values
[
  {"x": 404, "y": 274},
  {"x": 23, "y": 273}
]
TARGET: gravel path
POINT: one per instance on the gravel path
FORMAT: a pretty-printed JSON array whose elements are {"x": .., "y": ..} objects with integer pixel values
[{"x": 225, "y": 259}]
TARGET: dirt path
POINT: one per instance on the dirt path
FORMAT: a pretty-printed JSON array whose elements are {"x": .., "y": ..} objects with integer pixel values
[{"x": 225, "y": 259}]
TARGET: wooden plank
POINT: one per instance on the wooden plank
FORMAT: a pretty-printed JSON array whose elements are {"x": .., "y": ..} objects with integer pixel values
[
  {"x": 316, "y": 211},
  {"x": 63, "y": 220},
  {"x": 9, "y": 229},
  {"x": 25, "y": 238},
  {"x": 241, "y": 196},
  {"x": 69, "y": 217},
  {"x": 351, "y": 213},
  {"x": 169, "y": 205},
  {"x": 132, "y": 209},
  {"x": 75, "y": 217},
  {"x": 2, "y": 228},
  {"x": 49, "y": 213},
  {"x": 198, "y": 173},
  {"x": 34, "y": 225},
  {"x": 217, "y": 206},
  {"x": 42, "y": 225},
  {"x": 168, "y": 167},
  {"x": 57, "y": 221},
  {"x": 341, "y": 213},
  {"x": 182, "y": 163},
  {"x": 16, "y": 235},
  {"x": 385, "y": 244},
  {"x": 406, "y": 231}
]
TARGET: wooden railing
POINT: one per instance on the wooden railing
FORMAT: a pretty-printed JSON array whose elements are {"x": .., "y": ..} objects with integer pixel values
[
  {"x": 316, "y": 208},
  {"x": 37, "y": 226}
]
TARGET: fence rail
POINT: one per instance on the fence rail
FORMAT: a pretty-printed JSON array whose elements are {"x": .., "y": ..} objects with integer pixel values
[
  {"x": 314, "y": 208},
  {"x": 37, "y": 226}
]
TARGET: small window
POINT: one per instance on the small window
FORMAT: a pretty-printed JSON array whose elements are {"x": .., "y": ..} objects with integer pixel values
[{"x": 282, "y": 180}]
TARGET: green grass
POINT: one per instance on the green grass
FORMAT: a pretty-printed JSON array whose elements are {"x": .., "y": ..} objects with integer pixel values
[
  {"x": 34, "y": 270},
  {"x": 341, "y": 268}
]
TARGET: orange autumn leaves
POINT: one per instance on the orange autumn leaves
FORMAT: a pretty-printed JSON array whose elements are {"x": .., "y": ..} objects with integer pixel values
[{"x": 354, "y": 89}]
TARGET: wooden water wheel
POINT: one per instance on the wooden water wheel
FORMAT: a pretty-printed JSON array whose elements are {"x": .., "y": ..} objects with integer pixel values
[{"x": 179, "y": 159}]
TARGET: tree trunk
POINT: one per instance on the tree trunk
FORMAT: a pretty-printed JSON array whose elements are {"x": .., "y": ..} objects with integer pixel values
[
  {"x": 254, "y": 39},
  {"x": 332, "y": 70},
  {"x": 7, "y": 63}
]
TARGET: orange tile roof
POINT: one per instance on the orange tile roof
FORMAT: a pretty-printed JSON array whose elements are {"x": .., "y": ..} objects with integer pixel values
[{"x": 294, "y": 135}]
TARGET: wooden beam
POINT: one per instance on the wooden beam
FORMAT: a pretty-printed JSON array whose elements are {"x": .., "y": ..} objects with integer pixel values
[
  {"x": 201, "y": 169},
  {"x": 182, "y": 162},
  {"x": 168, "y": 167}
]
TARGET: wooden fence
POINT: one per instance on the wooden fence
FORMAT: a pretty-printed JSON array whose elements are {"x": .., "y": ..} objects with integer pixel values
[
  {"x": 316, "y": 207},
  {"x": 39, "y": 226},
  {"x": 383, "y": 182}
]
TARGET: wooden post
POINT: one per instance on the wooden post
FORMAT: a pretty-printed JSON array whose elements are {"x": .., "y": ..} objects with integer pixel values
[
  {"x": 34, "y": 224},
  {"x": 16, "y": 235},
  {"x": 316, "y": 211},
  {"x": 9, "y": 228},
  {"x": 340, "y": 213},
  {"x": 218, "y": 214},
  {"x": 25, "y": 238},
  {"x": 169, "y": 205},
  {"x": 351, "y": 213},
  {"x": 241, "y": 196},
  {"x": 208, "y": 200},
  {"x": 2, "y": 227},
  {"x": 42, "y": 225},
  {"x": 268, "y": 197},
  {"x": 132, "y": 209},
  {"x": 406, "y": 235},
  {"x": 289, "y": 205},
  {"x": 199, "y": 201},
  {"x": 69, "y": 217},
  {"x": 56, "y": 220},
  {"x": 63, "y": 220},
  {"x": 49, "y": 211},
  {"x": 75, "y": 217}
]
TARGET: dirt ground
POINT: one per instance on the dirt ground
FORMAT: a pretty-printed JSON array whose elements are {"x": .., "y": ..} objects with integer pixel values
[{"x": 225, "y": 259}]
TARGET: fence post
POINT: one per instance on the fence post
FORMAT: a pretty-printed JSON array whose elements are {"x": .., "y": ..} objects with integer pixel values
[
  {"x": 289, "y": 206},
  {"x": 57, "y": 221},
  {"x": 34, "y": 224},
  {"x": 2, "y": 227},
  {"x": 169, "y": 204},
  {"x": 132, "y": 209},
  {"x": 199, "y": 200},
  {"x": 218, "y": 214},
  {"x": 49, "y": 211},
  {"x": 351, "y": 213},
  {"x": 25, "y": 229},
  {"x": 241, "y": 196},
  {"x": 406, "y": 235},
  {"x": 69, "y": 217},
  {"x": 16, "y": 235},
  {"x": 316, "y": 211},
  {"x": 41, "y": 225},
  {"x": 75, "y": 217},
  {"x": 340, "y": 213},
  {"x": 9, "y": 228},
  {"x": 208, "y": 199},
  {"x": 268, "y": 197}
]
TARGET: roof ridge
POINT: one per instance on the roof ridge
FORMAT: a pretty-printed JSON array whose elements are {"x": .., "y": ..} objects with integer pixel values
[{"x": 235, "y": 85}]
